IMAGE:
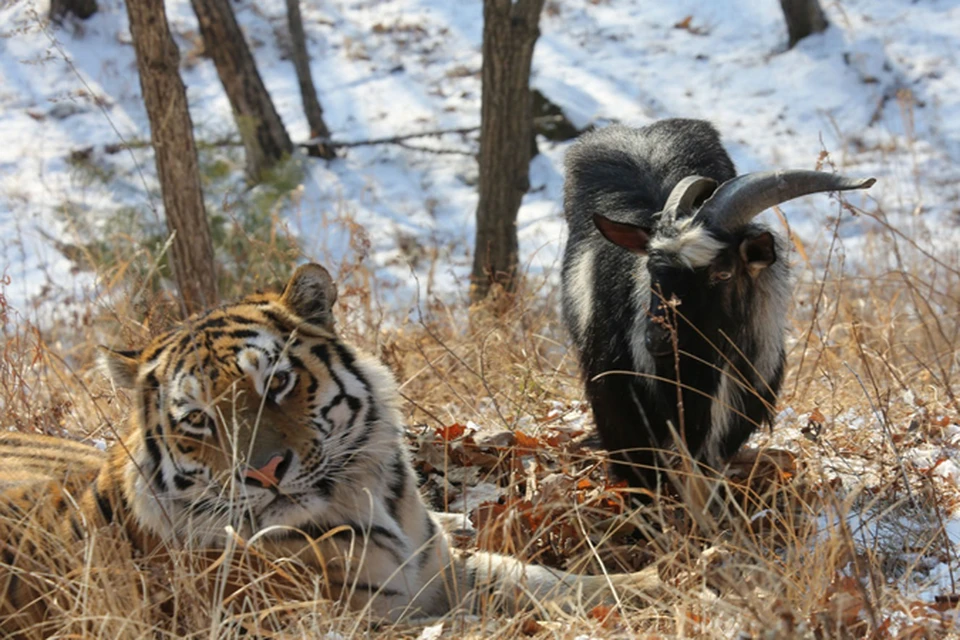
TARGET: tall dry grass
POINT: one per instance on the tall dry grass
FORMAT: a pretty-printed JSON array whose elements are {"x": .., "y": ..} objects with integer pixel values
[{"x": 829, "y": 531}]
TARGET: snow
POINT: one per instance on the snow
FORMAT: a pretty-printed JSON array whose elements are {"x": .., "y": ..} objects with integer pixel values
[
  {"x": 879, "y": 91},
  {"x": 474, "y": 496},
  {"x": 401, "y": 66},
  {"x": 912, "y": 538}
]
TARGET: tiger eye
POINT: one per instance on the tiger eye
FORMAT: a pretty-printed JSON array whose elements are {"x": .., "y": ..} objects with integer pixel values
[
  {"x": 199, "y": 419},
  {"x": 279, "y": 381}
]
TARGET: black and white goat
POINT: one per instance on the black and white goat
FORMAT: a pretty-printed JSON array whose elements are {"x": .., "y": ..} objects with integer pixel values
[{"x": 676, "y": 300}]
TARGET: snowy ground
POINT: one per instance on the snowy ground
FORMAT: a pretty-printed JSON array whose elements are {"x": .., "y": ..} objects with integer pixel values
[{"x": 879, "y": 91}]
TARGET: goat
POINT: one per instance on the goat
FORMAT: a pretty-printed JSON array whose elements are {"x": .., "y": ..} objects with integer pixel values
[{"x": 675, "y": 299}]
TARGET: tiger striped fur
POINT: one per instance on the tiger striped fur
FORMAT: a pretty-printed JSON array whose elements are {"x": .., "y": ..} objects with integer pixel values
[
  {"x": 29, "y": 458},
  {"x": 256, "y": 416}
]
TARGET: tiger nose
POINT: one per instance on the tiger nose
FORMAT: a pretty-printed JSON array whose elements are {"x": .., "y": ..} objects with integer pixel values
[{"x": 269, "y": 475}]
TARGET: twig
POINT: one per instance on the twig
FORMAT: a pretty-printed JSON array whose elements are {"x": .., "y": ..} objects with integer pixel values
[
  {"x": 137, "y": 143},
  {"x": 420, "y": 407},
  {"x": 886, "y": 431},
  {"x": 947, "y": 546},
  {"x": 452, "y": 152},
  {"x": 815, "y": 314},
  {"x": 230, "y": 141},
  {"x": 399, "y": 140},
  {"x": 388, "y": 140}
]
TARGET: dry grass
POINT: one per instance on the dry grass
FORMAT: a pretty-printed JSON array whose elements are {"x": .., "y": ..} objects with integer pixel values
[{"x": 832, "y": 540}]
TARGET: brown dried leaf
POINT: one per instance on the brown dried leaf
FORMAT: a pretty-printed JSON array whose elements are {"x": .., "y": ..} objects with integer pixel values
[
  {"x": 530, "y": 627},
  {"x": 606, "y": 615},
  {"x": 556, "y": 438},
  {"x": 527, "y": 443},
  {"x": 451, "y": 432},
  {"x": 844, "y": 603}
]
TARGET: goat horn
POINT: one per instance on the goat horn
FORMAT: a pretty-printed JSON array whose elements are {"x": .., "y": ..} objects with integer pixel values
[
  {"x": 739, "y": 200},
  {"x": 688, "y": 192}
]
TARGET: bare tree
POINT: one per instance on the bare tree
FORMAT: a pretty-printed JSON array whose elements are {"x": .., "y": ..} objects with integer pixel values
[
  {"x": 308, "y": 93},
  {"x": 171, "y": 132},
  {"x": 510, "y": 31},
  {"x": 83, "y": 9},
  {"x": 804, "y": 17},
  {"x": 264, "y": 137}
]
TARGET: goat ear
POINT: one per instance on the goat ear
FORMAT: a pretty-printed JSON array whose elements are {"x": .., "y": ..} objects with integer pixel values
[
  {"x": 629, "y": 236},
  {"x": 758, "y": 252},
  {"x": 310, "y": 294},
  {"x": 121, "y": 367}
]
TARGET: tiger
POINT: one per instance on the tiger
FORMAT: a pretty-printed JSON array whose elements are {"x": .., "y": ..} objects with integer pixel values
[
  {"x": 39, "y": 457},
  {"x": 256, "y": 421}
]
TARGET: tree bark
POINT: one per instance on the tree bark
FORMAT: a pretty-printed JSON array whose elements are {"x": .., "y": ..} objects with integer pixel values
[
  {"x": 510, "y": 31},
  {"x": 803, "y": 17},
  {"x": 83, "y": 9},
  {"x": 264, "y": 137},
  {"x": 308, "y": 93},
  {"x": 171, "y": 132}
]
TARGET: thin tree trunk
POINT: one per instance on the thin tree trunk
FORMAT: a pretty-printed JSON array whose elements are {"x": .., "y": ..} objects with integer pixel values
[
  {"x": 510, "y": 31},
  {"x": 301, "y": 61},
  {"x": 265, "y": 139},
  {"x": 171, "y": 132},
  {"x": 803, "y": 17},
  {"x": 83, "y": 9}
]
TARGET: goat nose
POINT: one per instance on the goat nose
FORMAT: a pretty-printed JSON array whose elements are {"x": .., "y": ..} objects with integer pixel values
[
  {"x": 269, "y": 475},
  {"x": 658, "y": 340}
]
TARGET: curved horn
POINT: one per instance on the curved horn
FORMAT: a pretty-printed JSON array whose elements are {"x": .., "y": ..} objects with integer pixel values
[
  {"x": 740, "y": 200},
  {"x": 687, "y": 192}
]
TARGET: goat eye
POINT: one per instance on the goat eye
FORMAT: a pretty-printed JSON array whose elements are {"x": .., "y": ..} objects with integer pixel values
[
  {"x": 198, "y": 422},
  {"x": 724, "y": 275},
  {"x": 278, "y": 382}
]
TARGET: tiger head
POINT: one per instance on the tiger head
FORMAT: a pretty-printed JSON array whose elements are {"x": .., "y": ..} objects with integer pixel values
[{"x": 254, "y": 415}]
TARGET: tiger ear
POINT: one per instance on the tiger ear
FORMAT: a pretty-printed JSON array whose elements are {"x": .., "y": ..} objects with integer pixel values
[
  {"x": 121, "y": 367},
  {"x": 310, "y": 294}
]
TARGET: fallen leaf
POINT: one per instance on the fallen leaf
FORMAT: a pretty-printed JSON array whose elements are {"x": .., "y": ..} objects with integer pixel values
[
  {"x": 451, "y": 432},
  {"x": 530, "y": 627},
  {"x": 527, "y": 442},
  {"x": 606, "y": 615}
]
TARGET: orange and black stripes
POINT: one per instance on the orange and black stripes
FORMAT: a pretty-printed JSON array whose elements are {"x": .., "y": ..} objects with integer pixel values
[{"x": 29, "y": 458}]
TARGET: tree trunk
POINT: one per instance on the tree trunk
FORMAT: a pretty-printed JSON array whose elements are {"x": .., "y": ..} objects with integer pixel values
[
  {"x": 803, "y": 18},
  {"x": 171, "y": 132},
  {"x": 301, "y": 61},
  {"x": 83, "y": 9},
  {"x": 510, "y": 31},
  {"x": 265, "y": 139}
]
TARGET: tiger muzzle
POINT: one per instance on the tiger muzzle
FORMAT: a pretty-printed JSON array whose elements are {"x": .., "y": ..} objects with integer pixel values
[{"x": 270, "y": 474}]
